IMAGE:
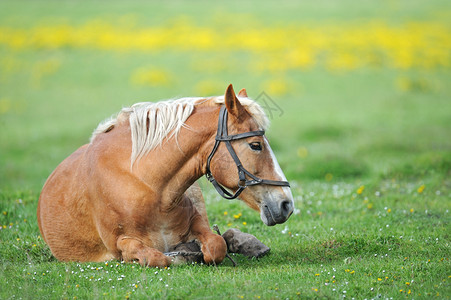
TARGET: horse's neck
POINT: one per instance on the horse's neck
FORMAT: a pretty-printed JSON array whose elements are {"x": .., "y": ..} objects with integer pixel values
[{"x": 174, "y": 166}]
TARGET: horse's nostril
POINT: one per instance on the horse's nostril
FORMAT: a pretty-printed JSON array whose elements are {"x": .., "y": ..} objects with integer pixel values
[{"x": 286, "y": 208}]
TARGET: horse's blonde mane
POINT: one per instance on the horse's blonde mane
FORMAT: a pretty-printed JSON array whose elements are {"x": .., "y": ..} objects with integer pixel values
[{"x": 151, "y": 123}]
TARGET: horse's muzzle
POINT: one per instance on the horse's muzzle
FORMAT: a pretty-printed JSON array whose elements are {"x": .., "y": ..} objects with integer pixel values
[{"x": 276, "y": 212}]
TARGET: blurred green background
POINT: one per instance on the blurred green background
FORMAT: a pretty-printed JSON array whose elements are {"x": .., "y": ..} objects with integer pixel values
[{"x": 358, "y": 89}]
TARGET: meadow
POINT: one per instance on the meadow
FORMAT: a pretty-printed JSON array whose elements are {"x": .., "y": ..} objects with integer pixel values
[{"x": 358, "y": 96}]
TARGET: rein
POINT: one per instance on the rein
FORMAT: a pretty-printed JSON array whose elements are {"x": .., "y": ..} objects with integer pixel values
[{"x": 222, "y": 136}]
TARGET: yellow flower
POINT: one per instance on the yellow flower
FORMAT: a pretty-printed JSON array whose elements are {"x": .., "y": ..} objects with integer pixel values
[
  {"x": 302, "y": 152},
  {"x": 244, "y": 223},
  {"x": 337, "y": 47},
  {"x": 411, "y": 210},
  {"x": 379, "y": 279},
  {"x": 421, "y": 189},
  {"x": 151, "y": 77},
  {"x": 360, "y": 189},
  {"x": 276, "y": 87},
  {"x": 5, "y": 106},
  {"x": 225, "y": 213},
  {"x": 389, "y": 210},
  {"x": 209, "y": 87}
]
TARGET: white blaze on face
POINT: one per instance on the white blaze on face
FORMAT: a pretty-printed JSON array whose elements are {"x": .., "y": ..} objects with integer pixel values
[{"x": 279, "y": 172}]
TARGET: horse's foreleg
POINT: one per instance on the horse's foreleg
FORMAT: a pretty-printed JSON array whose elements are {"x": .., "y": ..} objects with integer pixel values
[
  {"x": 213, "y": 246},
  {"x": 132, "y": 250}
]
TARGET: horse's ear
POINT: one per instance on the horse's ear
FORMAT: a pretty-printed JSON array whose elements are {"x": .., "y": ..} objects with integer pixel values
[
  {"x": 232, "y": 103},
  {"x": 242, "y": 93}
]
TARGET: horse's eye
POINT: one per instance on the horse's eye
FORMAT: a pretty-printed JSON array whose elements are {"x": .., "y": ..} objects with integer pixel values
[{"x": 256, "y": 146}]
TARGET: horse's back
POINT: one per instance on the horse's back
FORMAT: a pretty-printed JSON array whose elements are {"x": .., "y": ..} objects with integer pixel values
[{"x": 64, "y": 214}]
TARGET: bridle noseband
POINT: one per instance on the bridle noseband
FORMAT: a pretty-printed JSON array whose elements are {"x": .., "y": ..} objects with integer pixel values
[{"x": 243, "y": 183}]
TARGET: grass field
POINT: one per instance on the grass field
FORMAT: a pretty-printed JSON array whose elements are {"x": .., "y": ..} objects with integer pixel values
[{"x": 359, "y": 98}]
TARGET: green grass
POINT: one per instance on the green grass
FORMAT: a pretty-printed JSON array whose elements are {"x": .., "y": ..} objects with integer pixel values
[{"x": 357, "y": 148}]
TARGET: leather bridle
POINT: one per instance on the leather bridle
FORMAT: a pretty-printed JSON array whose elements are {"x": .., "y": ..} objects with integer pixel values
[{"x": 222, "y": 136}]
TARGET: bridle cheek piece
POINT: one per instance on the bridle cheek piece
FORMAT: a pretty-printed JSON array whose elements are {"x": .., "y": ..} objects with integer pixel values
[{"x": 222, "y": 136}]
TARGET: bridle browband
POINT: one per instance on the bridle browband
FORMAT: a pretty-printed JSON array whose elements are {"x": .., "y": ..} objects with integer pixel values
[{"x": 222, "y": 136}]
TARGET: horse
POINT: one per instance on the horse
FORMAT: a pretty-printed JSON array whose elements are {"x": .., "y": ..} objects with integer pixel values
[{"x": 131, "y": 193}]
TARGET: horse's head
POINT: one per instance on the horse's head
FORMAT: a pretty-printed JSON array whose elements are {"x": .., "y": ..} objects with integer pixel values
[{"x": 241, "y": 145}]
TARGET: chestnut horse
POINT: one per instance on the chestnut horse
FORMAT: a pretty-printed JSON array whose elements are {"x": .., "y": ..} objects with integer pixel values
[{"x": 130, "y": 193}]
